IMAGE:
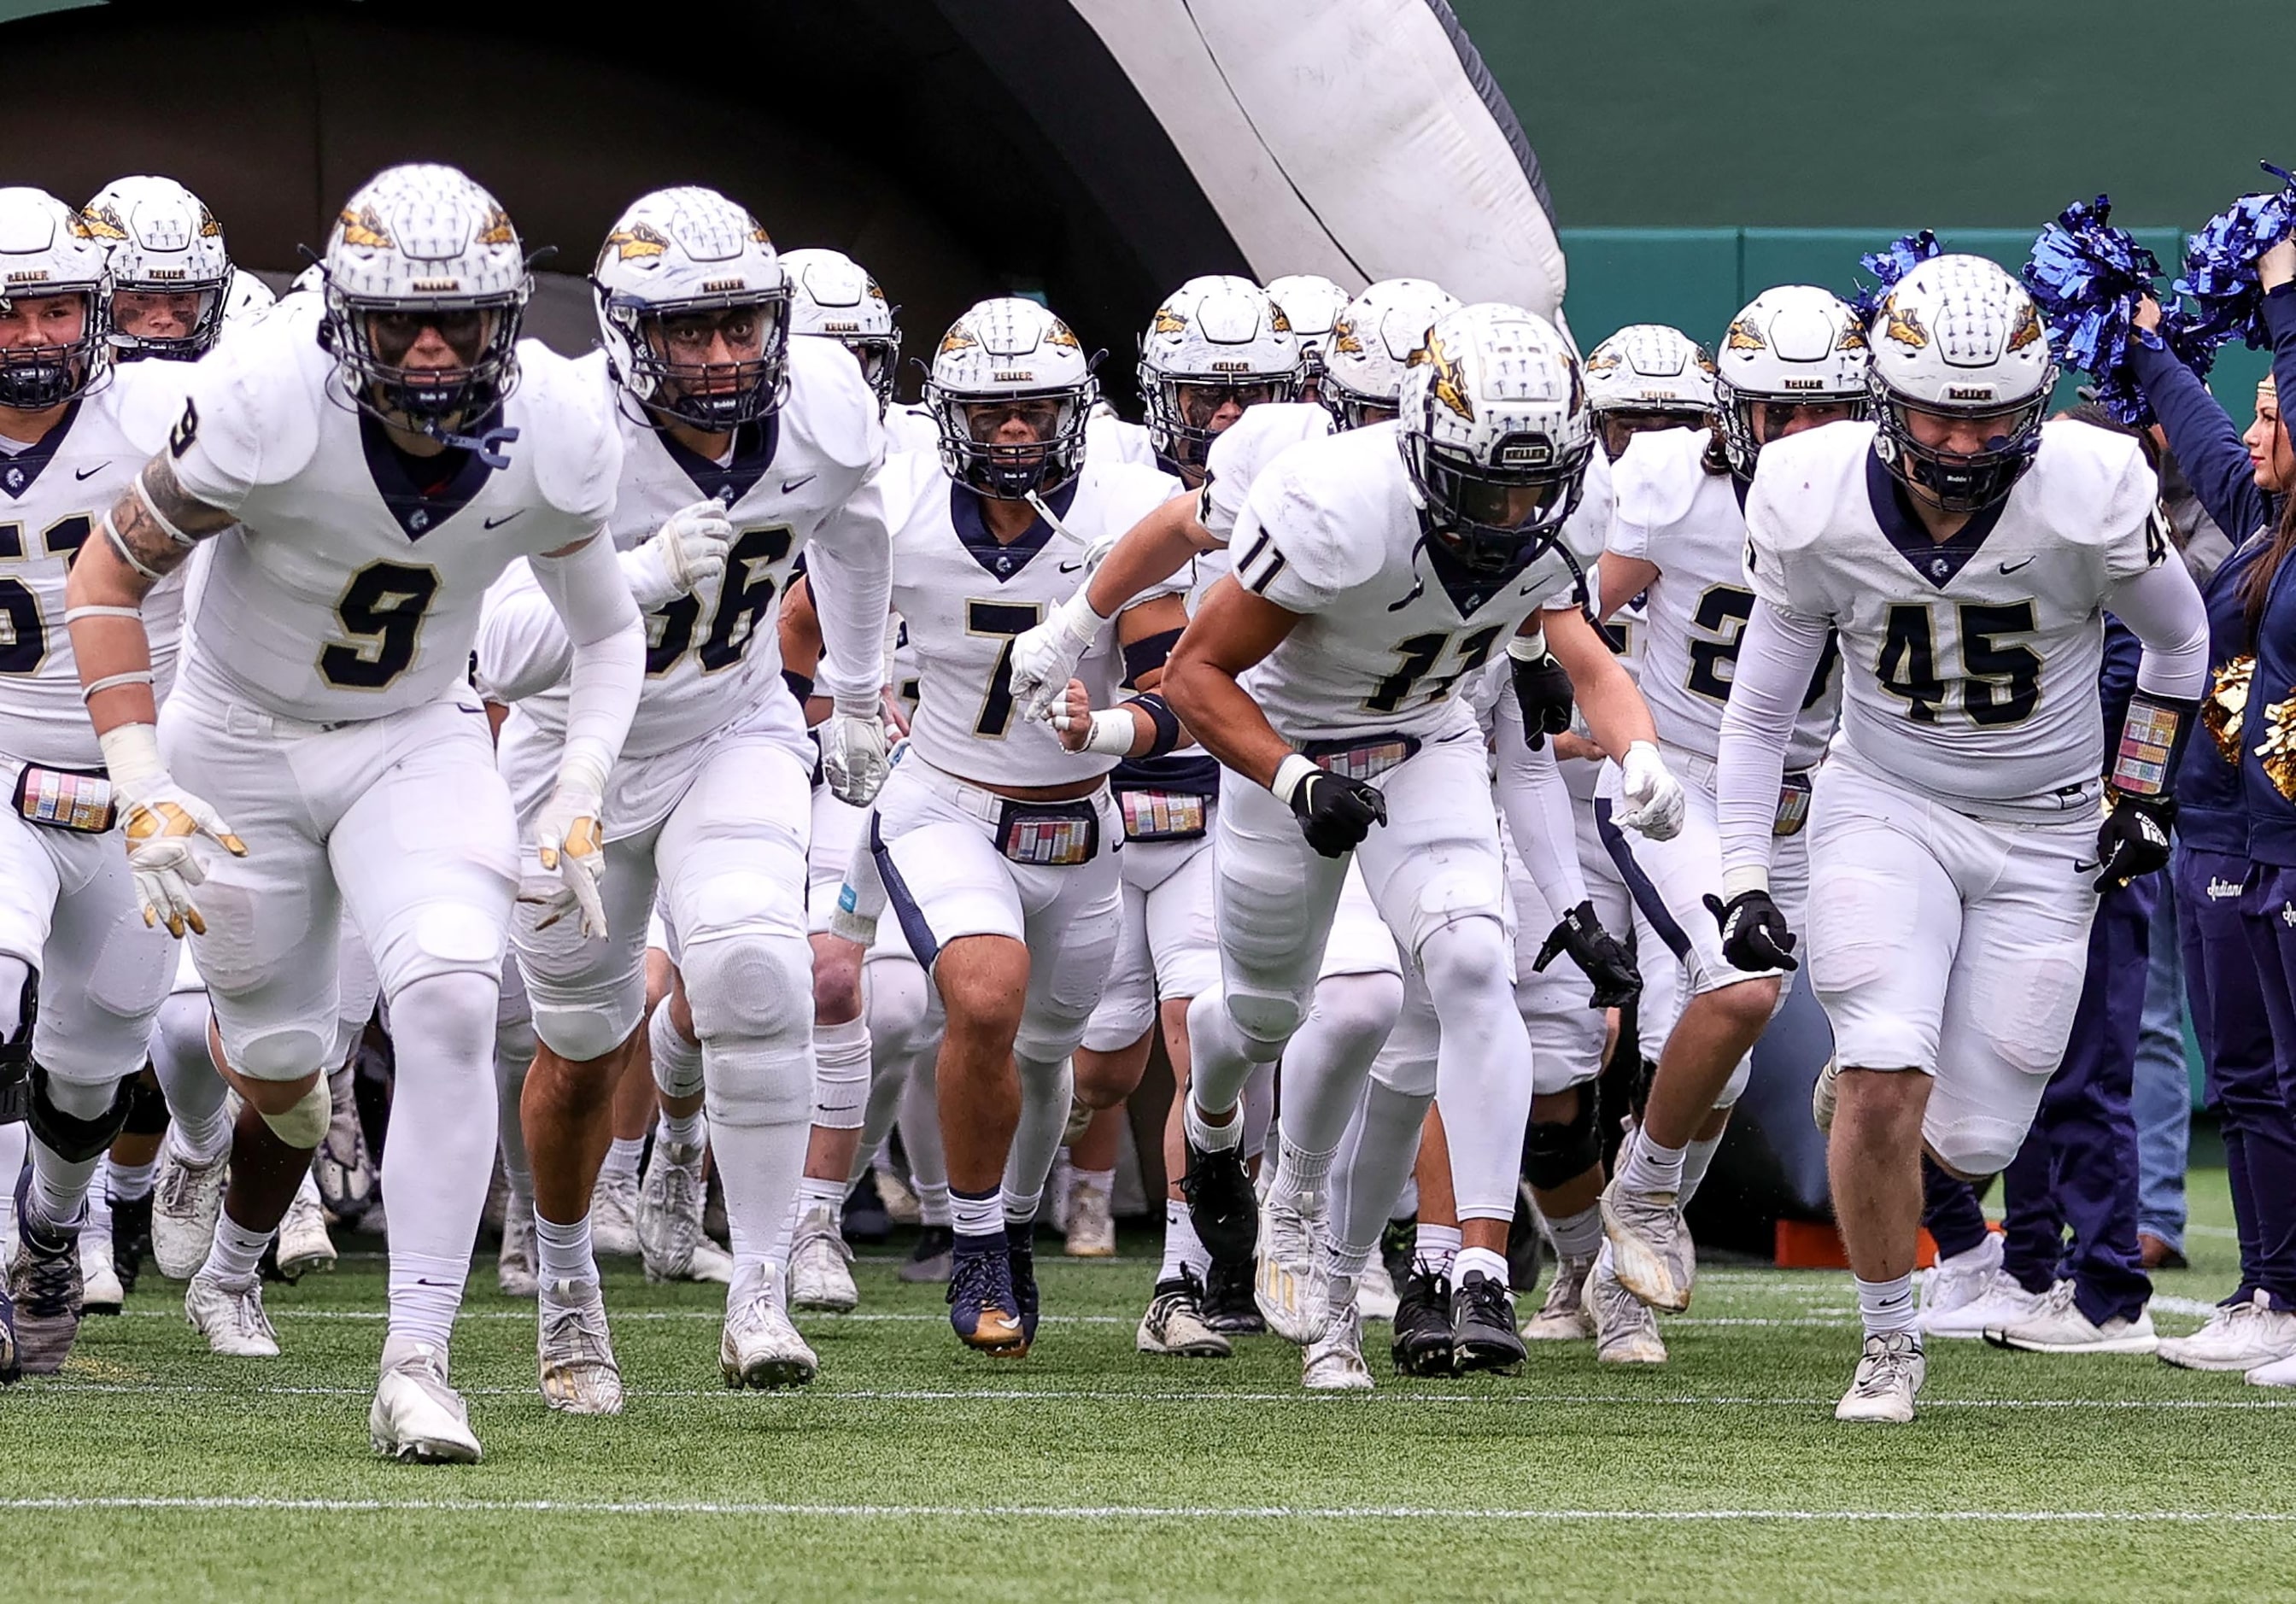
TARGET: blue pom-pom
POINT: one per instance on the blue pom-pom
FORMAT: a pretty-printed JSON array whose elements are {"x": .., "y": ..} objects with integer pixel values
[
  {"x": 1889, "y": 264},
  {"x": 2220, "y": 267},
  {"x": 2088, "y": 277}
]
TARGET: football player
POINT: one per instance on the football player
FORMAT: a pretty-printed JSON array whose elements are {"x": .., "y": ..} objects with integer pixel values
[
  {"x": 740, "y": 448},
  {"x": 1311, "y": 304},
  {"x": 365, "y": 463},
  {"x": 1645, "y": 378},
  {"x": 1964, "y": 552}
]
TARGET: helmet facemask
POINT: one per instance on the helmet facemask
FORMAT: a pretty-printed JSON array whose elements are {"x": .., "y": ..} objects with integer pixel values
[
  {"x": 1496, "y": 517},
  {"x": 980, "y": 448},
  {"x": 1617, "y": 426},
  {"x": 135, "y": 307},
  {"x": 880, "y": 356},
  {"x": 37, "y": 377},
  {"x": 1956, "y": 481},
  {"x": 1734, "y": 411},
  {"x": 713, "y": 362},
  {"x": 1182, "y": 406},
  {"x": 374, "y": 338}
]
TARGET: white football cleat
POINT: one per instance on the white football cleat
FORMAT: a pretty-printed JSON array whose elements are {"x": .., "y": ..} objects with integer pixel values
[
  {"x": 1625, "y": 1332},
  {"x": 2246, "y": 1336},
  {"x": 2002, "y": 1303},
  {"x": 1890, "y": 1375},
  {"x": 1175, "y": 1326},
  {"x": 759, "y": 1347},
  {"x": 304, "y": 1247},
  {"x": 2280, "y": 1373},
  {"x": 1334, "y": 1361},
  {"x": 1375, "y": 1295},
  {"x": 100, "y": 1291},
  {"x": 514, "y": 1274},
  {"x": 670, "y": 1200},
  {"x": 711, "y": 1264},
  {"x": 577, "y": 1351},
  {"x": 185, "y": 1199},
  {"x": 1565, "y": 1316},
  {"x": 231, "y": 1318},
  {"x": 1651, "y": 1251},
  {"x": 820, "y": 1265},
  {"x": 1092, "y": 1222},
  {"x": 416, "y": 1415},
  {"x": 1953, "y": 1284},
  {"x": 2057, "y": 1326},
  {"x": 899, "y": 1199},
  {"x": 1292, "y": 1284},
  {"x": 614, "y": 1216}
]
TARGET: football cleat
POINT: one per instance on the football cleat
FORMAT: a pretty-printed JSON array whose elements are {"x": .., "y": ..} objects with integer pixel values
[
  {"x": 1650, "y": 1250},
  {"x": 303, "y": 1246},
  {"x": 1229, "y": 1303},
  {"x": 1482, "y": 1327},
  {"x": 231, "y": 1318},
  {"x": 1421, "y": 1343},
  {"x": 929, "y": 1260},
  {"x": 759, "y": 1347},
  {"x": 711, "y": 1264},
  {"x": 1565, "y": 1316},
  {"x": 1999, "y": 1302},
  {"x": 669, "y": 1210},
  {"x": 820, "y": 1273},
  {"x": 185, "y": 1198},
  {"x": 1020, "y": 1254},
  {"x": 343, "y": 1167},
  {"x": 577, "y": 1350},
  {"x": 2280, "y": 1373},
  {"x": 2057, "y": 1326},
  {"x": 1890, "y": 1374},
  {"x": 1334, "y": 1361},
  {"x": 514, "y": 1274},
  {"x": 99, "y": 1273},
  {"x": 417, "y": 1416},
  {"x": 1221, "y": 1204},
  {"x": 131, "y": 1238},
  {"x": 43, "y": 1278},
  {"x": 982, "y": 1307},
  {"x": 614, "y": 1216},
  {"x": 1293, "y": 1286},
  {"x": 1625, "y": 1332},
  {"x": 900, "y": 1199},
  {"x": 2244, "y": 1336},
  {"x": 1174, "y": 1325},
  {"x": 1091, "y": 1223},
  {"x": 1375, "y": 1291},
  {"x": 1954, "y": 1283}
]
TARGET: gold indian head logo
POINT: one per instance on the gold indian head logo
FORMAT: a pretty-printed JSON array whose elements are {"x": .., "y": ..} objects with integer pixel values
[
  {"x": 1743, "y": 336},
  {"x": 363, "y": 228},
  {"x": 1903, "y": 326},
  {"x": 639, "y": 243}
]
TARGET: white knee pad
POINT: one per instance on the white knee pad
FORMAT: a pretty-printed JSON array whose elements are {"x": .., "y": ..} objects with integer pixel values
[
  {"x": 1972, "y": 1145},
  {"x": 1736, "y": 1086},
  {"x": 752, "y": 1000},
  {"x": 676, "y": 1061},
  {"x": 303, "y": 1125},
  {"x": 1265, "y": 1020},
  {"x": 286, "y": 1054}
]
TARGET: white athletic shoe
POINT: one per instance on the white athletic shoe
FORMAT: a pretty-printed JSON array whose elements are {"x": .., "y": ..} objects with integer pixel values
[
  {"x": 304, "y": 1247},
  {"x": 1092, "y": 1222},
  {"x": 1375, "y": 1295},
  {"x": 614, "y": 1216},
  {"x": 416, "y": 1415},
  {"x": 185, "y": 1198},
  {"x": 711, "y": 1264},
  {"x": 231, "y": 1318},
  {"x": 1565, "y": 1316},
  {"x": 1625, "y": 1332},
  {"x": 2057, "y": 1326},
  {"x": 1175, "y": 1326},
  {"x": 1890, "y": 1374},
  {"x": 899, "y": 1199},
  {"x": 514, "y": 1263},
  {"x": 1334, "y": 1361},
  {"x": 1292, "y": 1285},
  {"x": 2238, "y": 1337},
  {"x": 760, "y": 1348},
  {"x": 670, "y": 1198},
  {"x": 577, "y": 1351},
  {"x": 2001, "y": 1303},
  {"x": 820, "y": 1265},
  {"x": 2280, "y": 1373},
  {"x": 1954, "y": 1283},
  {"x": 1651, "y": 1251},
  {"x": 101, "y": 1293}
]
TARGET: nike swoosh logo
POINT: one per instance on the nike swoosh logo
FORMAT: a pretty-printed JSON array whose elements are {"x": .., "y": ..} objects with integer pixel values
[
  {"x": 2010, "y": 568},
  {"x": 2085, "y": 868},
  {"x": 1070, "y": 567},
  {"x": 802, "y": 479},
  {"x": 81, "y": 473},
  {"x": 496, "y": 523}
]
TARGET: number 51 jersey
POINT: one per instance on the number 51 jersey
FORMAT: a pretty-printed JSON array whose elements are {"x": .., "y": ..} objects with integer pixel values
[
  {"x": 1969, "y": 664},
  {"x": 1391, "y": 626},
  {"x": 350, "y": 588}
]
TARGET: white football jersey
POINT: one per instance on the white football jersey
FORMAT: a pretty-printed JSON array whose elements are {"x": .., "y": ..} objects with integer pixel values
[
  {"x": 962, "y": 597},
  {"x": 1391, "y": 626},
  {"x": 1109, "y": 439},
  {"x": 1245, "y": 446},
  {"x": 1970, "y": 664},
  {"x": 54, "y": 494},
  {"x": 1673, "y": 513},
  {"x": 911, "y": 428},
  {"x": 350, "y": 587}
]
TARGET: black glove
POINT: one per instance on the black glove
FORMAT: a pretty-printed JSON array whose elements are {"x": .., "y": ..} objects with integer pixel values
[
  {"x": 1602, "y": 955},
  {"x": 1544, "y": 691},
  {"x": 1754, "y": 933},
  {"x": 2134, "y": 839},
  {"x": 1335, "y": 813}
]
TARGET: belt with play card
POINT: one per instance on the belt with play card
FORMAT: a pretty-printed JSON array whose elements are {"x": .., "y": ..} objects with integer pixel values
[
  {"x": 76, "y": 799},
  {"x": 1794, "y": 806},
  {"x": 1049, "y": 835},
  {"x": 1362, "y": 756},
  {"x": 1163, "y": 816}
]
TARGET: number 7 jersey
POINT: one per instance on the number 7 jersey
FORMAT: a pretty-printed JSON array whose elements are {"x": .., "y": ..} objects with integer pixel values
[{"x": 1969, "y": 664}]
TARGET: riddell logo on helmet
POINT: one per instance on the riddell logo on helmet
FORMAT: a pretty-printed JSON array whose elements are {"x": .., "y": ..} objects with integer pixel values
[{"x": 1969, "y": 392}]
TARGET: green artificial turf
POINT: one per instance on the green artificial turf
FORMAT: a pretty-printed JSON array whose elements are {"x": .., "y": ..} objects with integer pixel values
[{"x": 914, "y": 1469}]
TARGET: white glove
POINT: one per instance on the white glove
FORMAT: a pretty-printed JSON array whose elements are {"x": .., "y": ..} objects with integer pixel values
[
  {"x": 853, "y": 751},
  {"x": 1046, "y": 655},
  {"x": 570, "y": 843},
  {"x": 160, "y": 820},
  {"x": 688, "y": 548},
  {"x": 1653, "y": 796}
]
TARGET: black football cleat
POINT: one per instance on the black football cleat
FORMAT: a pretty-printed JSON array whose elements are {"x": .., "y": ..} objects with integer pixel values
[
  {"x": 1423, "y": 1325},
  {"x": 1222, "y": 1206},
  {"x": 1483, "y": 1337}
]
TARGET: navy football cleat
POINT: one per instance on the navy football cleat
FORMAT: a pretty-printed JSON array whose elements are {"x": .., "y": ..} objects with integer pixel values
[
  {"x": 1021, "y": 1256},
  {"x": 982, "y": 1307}
]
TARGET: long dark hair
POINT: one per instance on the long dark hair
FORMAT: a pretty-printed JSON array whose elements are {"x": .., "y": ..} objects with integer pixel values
[{"x": 2256, "y": 584}]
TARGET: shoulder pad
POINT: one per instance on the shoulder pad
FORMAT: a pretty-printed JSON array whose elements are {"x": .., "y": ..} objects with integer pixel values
[
  {"x": 2089, "y": 486},
  {"x": 1658, "y": 475},
  {"x": 1803, "y": 484},
  {"x": 1252, "y": 441},
  {"x": 831, "y": 407},
  {"x": 1320, "y": 502},
  {"x": 578, "y": 449}
]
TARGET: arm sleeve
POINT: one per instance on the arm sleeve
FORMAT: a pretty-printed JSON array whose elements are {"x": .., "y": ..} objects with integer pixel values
[
  {"x": 522, "y": 649},
  {"x": 1537, "y": 806},
  {"x": 2163, "y": 607},
  {"x": 2207, "y": 445},
  {"x": 1776, "y": 657},
  {"x": 607, "y": 655},
  {"x": 851, "y": 560}
]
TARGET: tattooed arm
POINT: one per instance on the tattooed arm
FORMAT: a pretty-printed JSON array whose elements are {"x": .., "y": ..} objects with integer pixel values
[{"x": 147, "y": 536}]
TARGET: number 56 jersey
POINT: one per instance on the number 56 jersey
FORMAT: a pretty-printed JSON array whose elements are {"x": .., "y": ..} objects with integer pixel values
[
  {"x": 1969, "y": 664},
  {"x": 1391, "y": 626},
  {"x": 350, "y": 588}
]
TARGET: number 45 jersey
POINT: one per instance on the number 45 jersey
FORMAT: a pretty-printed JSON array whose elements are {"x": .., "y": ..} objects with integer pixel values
[
  {"x": 1392, "y": 628},
  {"x": 350, "y": 588},
  {"x": 1969, "y": 664}
]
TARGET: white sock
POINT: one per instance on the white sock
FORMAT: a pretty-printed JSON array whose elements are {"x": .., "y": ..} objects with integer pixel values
[
  {"x": 1577, "y": 1236},
  {"x": 813, "y": 1193},
  {"x": 1697, "y": 1158},
  {"x": 1298, "y": 1170},
  {"x": 98, "y": 1221},
  {"x": 676, "y": 1131},
  {"x": 129, "y": 1183},
  {"x": 236, "y": 1256},
  {"x": 201, "y": 1140},
  {"x": 562, "y": 1252},
  {"x": 977, "y": 1215},
  {"x": 1651, "y": 1168},
  {"x": 1102, "y": 1182},
  {"x": 1887, "y": 1306},
  {"x": 1183, "y": 1250},
  {"x": 932, "y": 1205},
  {"x": 1434, "y": 1247},
  {"x": 1479, "y": 1261},
  {"x": 1212, "y": 1138},
  {"x": 622, "y": 1158},
  {"x": 1021, "y": 1207}
]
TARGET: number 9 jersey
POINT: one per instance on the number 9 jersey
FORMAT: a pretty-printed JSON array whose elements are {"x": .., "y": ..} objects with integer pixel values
[
  {"x": 1969, "y": 664},
  {"x": 342, "y": 595}
]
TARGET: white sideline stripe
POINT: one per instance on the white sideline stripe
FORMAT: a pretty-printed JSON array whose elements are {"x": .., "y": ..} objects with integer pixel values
[
  {"x": 2162, "y": 1303},
  {"x": 1095, "y": 1512}
]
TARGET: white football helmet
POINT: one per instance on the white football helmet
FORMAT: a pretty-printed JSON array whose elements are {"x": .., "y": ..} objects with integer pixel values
[
  {"x": 1008, "y": 361},
  {"x": 1216, "y": 339},
  {"x": 1495, "y": 434},
  {"x": 164, "y": 242},
  {"x": 421, "y": 249},
  {"x": 831, "y": 294},
  {"x": 1793, "y": 345},
  {"x": 694, "y": 309},
  {"x": 1311, "y": 305},
  {"x": 248, "y": 297},
  {"x": 46, "y": 252},
  {"x": 1371, "y": 344},
  {"x": 1959, "y": 336}
]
